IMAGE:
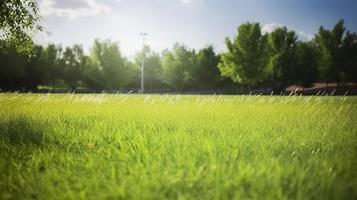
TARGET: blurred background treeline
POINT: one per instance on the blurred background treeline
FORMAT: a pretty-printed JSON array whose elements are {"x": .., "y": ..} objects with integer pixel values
[{"x": 253, "y": 60}]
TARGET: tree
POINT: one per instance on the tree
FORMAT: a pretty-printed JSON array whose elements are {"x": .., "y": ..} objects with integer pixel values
[
  {"x": 153, "y": 68},
  {"x": 115, "y": 70},
  {"x": 282, "y": 64},
  {"x": 51, "y": 57},
  {"x": 306, "y": 64},
  {"x": 330, "y": 47},
  {"x": 92, "y": 76},
  {"x": 177, "y": 67},
  {"x": 37, "y": 70},
  {"x": 206, "y": 72},
  {"x": 73, "y": 63},
  {"x": 246, "y": 58},
  {"x": 12, "y": 69},
  {"x": 349, "y": 53},
  {"x": 18, "y": 18}
]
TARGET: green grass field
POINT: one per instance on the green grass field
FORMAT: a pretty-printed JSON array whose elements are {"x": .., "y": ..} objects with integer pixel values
[{"x": 177, "y": 147}]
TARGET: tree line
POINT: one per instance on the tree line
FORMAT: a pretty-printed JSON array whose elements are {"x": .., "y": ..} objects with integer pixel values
[
  {"x": 279, "y": 59},
  {"x": 251, "y": 59}
]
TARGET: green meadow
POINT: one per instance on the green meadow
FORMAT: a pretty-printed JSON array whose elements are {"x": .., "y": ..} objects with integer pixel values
[{"x": 71, "y": 146}]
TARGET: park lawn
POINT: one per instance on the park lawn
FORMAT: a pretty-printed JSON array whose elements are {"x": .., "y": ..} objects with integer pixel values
[{"x": 68, "y": 146}]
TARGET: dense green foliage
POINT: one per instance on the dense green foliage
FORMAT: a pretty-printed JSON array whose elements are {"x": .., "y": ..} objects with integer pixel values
[
  {"x": 18, "y": 19},
  {"x": 282, "y": 64},
  {"x": 177, "y": 147},
  {"x": 283, "y": 60},
  {"x": 113, "y": 68},
  {"x": 106, "y": 69},
  {"x": 178, "y": 66},
  {"x": 273, "y": 60},
  {"x": 338, "y": 53},
  {"x": 246, "y": 59},
  {"x": 153, "y": 67}
]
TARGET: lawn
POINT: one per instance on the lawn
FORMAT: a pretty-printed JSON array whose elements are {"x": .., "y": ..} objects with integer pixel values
[{"x": 67, "y": 146}]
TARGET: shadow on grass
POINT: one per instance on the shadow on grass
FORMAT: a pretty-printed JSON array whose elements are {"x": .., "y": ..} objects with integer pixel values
[{"x": 22, "y": 131}]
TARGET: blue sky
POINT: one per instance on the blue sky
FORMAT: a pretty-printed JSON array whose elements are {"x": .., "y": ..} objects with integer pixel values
[{"x": 196, "y": 23}]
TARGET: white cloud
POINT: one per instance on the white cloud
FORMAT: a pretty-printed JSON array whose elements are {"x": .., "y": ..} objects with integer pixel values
[
  {"x": 72, "y": 8},
  {"x": 305, "y": 36},
  {"x": 191, "y": 1},
  {"x": 268, "y": 28}
]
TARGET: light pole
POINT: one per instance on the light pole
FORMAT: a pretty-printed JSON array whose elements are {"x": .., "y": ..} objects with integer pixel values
[{"x": 142, "y": 63}]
